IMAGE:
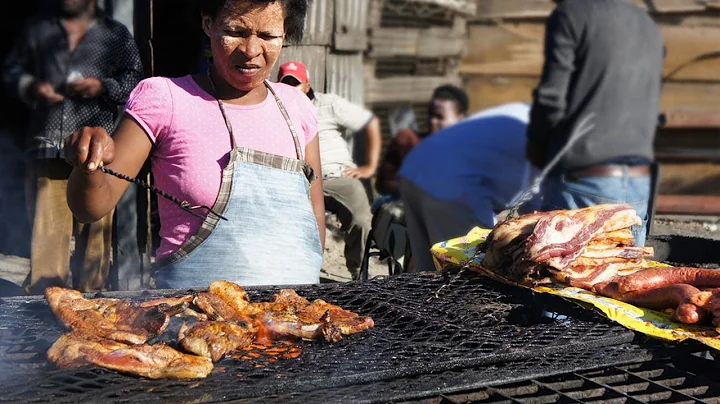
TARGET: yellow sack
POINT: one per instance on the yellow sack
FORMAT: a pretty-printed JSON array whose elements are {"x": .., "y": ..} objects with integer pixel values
[{"x": 457, "y": 252}]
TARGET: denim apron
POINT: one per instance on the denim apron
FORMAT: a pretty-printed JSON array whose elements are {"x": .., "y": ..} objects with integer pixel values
[{"x": 271, "y": 236}]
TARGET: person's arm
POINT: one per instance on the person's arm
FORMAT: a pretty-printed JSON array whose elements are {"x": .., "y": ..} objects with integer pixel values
[
  {"x": 312, "y": 157},
  {"x": 386, "y": 182},
  {"x": 18, "y": 74},
  {"x": 355, "y": 117},
  {"x": 373, "y": 139},
  {"x": 550, "y": 96},
  {"x": 127, "y": 73},
  {"x": 92, "y": 194}
]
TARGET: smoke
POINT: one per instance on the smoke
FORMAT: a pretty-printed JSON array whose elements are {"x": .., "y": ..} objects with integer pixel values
[{"x": 15, "y": 234}]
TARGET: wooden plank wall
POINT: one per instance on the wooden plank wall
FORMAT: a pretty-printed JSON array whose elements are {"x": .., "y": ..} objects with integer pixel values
[{"x": 503, "y": 61}]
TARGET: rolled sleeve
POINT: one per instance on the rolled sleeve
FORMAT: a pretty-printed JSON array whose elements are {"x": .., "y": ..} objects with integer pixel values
[{"x": 351, "y": 116}]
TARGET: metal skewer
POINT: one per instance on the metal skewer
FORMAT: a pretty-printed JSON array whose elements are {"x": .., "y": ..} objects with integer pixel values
[
  {"x": 184, "y": 205},
  {"x": 584, "y": 127}
]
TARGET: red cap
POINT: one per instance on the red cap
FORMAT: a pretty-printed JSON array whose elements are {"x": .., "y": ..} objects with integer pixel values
[{"x": 294, "y": 69}]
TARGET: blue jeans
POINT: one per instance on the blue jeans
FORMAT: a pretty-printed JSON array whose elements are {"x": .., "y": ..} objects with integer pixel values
[{"x": 561, "y": 192}]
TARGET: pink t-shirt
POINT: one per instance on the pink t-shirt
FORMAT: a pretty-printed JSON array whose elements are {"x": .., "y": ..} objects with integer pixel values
[{"x": 192, "y": 143}]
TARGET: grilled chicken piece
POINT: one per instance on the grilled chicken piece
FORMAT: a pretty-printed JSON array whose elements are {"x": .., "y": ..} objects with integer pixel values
[
  {"x": 115, "y": 319},
  {"x": 213, "y": 339},
  {"x": 287, "y": 300},
  {"x": 235, "y": 297},
  {"x": 334, "y": 319},
  {"x": 291, "y": 315},
  {"x": 152, "y": 361},
  {"x": 215, "y": 307},
  {"x": 319, "y": 319}
]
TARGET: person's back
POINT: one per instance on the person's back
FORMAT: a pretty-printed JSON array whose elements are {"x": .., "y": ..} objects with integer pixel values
[
  {"x": 482, "y": 157},
  {"x": 608, "y": 56},
  {"x": 462, "y": 176}
]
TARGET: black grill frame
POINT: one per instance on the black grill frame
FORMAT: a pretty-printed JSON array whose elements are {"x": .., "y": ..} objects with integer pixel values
[{"x": 476, "y": 323}]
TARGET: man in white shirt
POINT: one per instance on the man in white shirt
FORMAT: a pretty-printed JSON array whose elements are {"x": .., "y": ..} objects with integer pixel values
[
  {"x": 462, "y": 176},
  {"x": 345, "y": 194}
]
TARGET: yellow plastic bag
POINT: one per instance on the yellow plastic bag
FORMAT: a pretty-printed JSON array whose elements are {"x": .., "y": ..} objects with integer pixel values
[{"x": 457, "y": 252}]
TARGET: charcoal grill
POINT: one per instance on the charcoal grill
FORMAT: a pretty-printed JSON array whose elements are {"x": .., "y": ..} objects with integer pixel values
[{"x": 500, "y": 331}]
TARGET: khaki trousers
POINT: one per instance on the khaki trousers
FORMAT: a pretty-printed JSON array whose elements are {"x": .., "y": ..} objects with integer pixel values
[
  {"x": 346, "y": 197},
  {"x": 53, "y": 228}
]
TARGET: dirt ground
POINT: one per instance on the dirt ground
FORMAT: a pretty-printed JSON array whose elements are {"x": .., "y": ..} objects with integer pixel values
[{"x": 707, "y": 228}]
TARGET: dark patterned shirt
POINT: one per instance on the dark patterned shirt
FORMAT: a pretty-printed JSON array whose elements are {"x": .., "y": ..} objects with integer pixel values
[{"x": 107, "y": 52}]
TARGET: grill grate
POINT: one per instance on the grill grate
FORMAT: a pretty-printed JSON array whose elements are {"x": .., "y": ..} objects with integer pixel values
[
  {"x": 475, "y": 322},
  {"x": 671, "y": 380},
  {"x": 458, "y": 380}
]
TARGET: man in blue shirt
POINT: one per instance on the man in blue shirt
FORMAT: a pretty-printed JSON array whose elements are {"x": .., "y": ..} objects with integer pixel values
[{"x": 462, "y": 176}]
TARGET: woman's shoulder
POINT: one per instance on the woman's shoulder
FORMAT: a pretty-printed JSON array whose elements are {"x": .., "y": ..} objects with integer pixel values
[{"x": 161, "y": 83}]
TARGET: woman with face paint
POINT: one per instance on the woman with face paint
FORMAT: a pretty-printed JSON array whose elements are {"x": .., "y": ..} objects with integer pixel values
[{"x": 225, "y": 138}]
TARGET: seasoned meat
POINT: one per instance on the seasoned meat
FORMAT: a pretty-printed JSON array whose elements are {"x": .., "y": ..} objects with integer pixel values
[
  {"x": 152, "y": 361},
  {"x": 214, "y": 339},
  {"x": 655, "y": 277},
  {"x": 115, "y": 319}
]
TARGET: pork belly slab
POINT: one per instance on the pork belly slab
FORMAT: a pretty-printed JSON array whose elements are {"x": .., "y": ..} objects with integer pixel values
[{"x": 577, "y": 247}]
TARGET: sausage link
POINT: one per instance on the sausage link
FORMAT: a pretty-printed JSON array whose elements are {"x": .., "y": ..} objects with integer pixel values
[
  {"x": 677, "y": 297},
  {"x": 652, "y": 278},
  {"x": 688, "y": 313}
]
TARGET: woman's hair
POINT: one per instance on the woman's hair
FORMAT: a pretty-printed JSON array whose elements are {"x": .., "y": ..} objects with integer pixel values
[{"x": 295, "y": 12}]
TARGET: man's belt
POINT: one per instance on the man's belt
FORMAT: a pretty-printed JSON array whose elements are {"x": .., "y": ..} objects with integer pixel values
[{"x": 610, "y": 170}]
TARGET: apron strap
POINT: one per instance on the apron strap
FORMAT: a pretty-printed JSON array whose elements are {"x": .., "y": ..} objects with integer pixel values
[
  {"x": 283, "y": 111},
  {"x": 281, "y": 106}
]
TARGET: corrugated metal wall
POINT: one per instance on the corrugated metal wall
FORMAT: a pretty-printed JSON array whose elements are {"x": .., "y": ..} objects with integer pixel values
[
  {"x": 319, "y": 24},
  {"x": 351, "y": 23},
  {"x": 313, "y": 56},
  {"x": 414, "y": 47},
  {"x": 333, "y": 46},
  {"x": 345, "y": 76}
]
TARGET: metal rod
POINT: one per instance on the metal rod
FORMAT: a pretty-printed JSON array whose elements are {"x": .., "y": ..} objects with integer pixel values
[{"x": 184, "y": 205}]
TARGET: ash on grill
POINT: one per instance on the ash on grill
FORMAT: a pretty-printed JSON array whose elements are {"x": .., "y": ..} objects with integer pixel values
[{"x": 476, "y": 323}]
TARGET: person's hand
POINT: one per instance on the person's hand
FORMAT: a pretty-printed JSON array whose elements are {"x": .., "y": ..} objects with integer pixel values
[
  {"x": 360, "y": 173},
  {"x": 45, "y": 92},
  {"x": 88, "y": 148},
  {"x": 86, "y": 88}
]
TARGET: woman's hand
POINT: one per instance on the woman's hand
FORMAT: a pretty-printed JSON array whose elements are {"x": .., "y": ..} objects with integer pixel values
[{"x": 89, "y": 148}]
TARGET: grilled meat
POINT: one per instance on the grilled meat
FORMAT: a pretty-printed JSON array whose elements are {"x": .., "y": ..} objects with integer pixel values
[
  {"x": 318, "y": 319},
  {"x": 334, "y": 317},
  {"x": 213, "y": 339},
  {"x": 152, "y": 361},
  {"x": 578, "y": 247},
  {"x": 290, "y": 315},
  {"x": 657, "y": 277},
  {"x": 78, "y": 348},
  {"x": 215, "y": 307},
  {"x": 115, "y": 319}
]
